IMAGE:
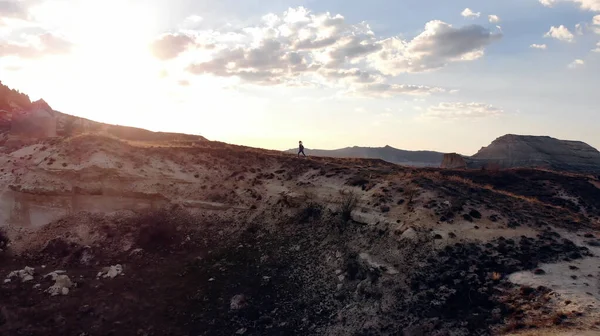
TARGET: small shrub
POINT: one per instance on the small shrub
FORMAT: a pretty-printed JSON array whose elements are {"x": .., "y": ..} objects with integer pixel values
[
  {"x": 349, "y": 203},
  {"x": 411, "y": 192}
]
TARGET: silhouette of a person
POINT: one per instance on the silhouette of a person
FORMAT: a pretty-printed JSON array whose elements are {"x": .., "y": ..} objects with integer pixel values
[{"x": 301, "y": 149}]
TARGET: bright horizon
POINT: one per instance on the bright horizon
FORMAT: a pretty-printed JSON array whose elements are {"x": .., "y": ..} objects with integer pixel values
[{"x": 413, "y": 74}]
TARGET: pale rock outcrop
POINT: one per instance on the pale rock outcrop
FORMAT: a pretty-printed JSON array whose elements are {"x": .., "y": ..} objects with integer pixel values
[
  {"x": 38, "y": 122},
  {"x": 26, "y": 274},
  {"x": 453, "y": 161},
  {"x": 515, "y": 151},
  {"x": 62, "y": 283}
]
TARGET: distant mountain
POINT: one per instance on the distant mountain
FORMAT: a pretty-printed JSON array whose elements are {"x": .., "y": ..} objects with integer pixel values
[
  {"x": 387, "y": 153},
  {"x": 515, "y": 151}
]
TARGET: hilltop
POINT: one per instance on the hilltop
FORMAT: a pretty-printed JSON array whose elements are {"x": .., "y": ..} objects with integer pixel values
[
  {"x": 110, "y": 230},
  {"x": 387, "y": 153}
]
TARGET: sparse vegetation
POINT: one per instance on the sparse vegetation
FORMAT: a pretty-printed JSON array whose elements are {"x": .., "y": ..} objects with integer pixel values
[{"x": 348, "y": 204}]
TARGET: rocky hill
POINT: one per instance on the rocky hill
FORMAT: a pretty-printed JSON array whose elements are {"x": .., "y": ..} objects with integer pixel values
[
  {"x": 387, "y": 153},
  {"x": 511, "y": 151},
  {"x": 23, "y": 121},
  {"x": 104, "y": 233}
]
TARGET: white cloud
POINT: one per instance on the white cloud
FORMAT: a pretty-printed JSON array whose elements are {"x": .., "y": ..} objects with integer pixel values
[
  {"x": 302, "y": 48},
  {"x": 591, "y": 5},
  {"x": 383, "y": 90},
  {"x": 455, "y": 111},
  {"x": 438, "y": 45},
  {"x": 493, "y": 18},
  {"x": 13, "y": 9},
  {"x": 169, "y": 46},
  {"x": 595, "y": 26},
  {"x": 597, "y": 48},
  {"x": 576, "y": 64},
  {"x": 468, "y": 13},
  {"x": 538, "y": 46},
  {"x": 579, "y": 29},
  {"x": 36, "y": 46},
  {"x": 561, "y": 33}
]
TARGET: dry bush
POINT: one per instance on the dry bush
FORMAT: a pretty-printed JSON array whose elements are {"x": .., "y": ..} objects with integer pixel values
[
  {"x": 348, "y": 204},
  {"x": 411, "y": 193}
]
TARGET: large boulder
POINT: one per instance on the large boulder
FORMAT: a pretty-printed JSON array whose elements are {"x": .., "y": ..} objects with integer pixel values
[{"x": 453, "y": 161}]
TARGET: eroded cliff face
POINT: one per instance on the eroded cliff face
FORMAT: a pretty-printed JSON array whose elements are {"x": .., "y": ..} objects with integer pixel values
[
  {"x": 515, "y": 151},
  {"x": 453, "y": 161}
]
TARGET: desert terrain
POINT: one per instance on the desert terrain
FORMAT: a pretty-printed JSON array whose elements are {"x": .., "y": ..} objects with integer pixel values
[{"x": 108, "y": 235}]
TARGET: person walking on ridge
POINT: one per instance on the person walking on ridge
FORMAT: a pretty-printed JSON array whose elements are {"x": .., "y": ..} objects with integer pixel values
[{"x": 301, "y": 149}]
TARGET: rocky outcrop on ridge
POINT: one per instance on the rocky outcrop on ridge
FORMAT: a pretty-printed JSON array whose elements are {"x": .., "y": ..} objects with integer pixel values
[
  {"x": 516, "y": 151},
  {"x": 454, "y": 161}
]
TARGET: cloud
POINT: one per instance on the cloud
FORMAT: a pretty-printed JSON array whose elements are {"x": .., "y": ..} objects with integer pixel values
[
  {"x": 302, "y": 48},
  {"x": 37, "y": 46},
  {"x": 538, "y": 46},
  {"x": 576, "y": 64},
  {"x": 437, "y": 46},
  {"x": 169, "y": 46},
  {"x": 493, "y": 18},
  {"x": 468, "y": 13},
  {"x": 597, "y": 48},
  {"x": 595, "y": 26},
  {"x": 591, "y": 5},
  {"x": 560, "y": 33},
  {"x": 455, "y": 111},
  {"x": 383, "y": 90},
  {"x": 13, "y": 9}
]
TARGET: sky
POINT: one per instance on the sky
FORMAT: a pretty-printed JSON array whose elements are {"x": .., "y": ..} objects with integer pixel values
[{"x": 449, "y": 76}]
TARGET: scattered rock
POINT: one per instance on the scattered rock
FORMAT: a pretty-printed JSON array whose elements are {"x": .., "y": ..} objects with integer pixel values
[
  {"x": 26, "y": 274},
  {"x": 111, "y": 272},
  {"x": 237, "y": 302},
  {"x": 539, "y": 271},
  {"x": 409, "y": 233},
  {"x": 589, "y": 235},
  {"x": 62, "y": 283}
]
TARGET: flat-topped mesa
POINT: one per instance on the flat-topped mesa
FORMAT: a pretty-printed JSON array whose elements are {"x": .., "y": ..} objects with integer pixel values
[{"x": 526, "y": 151}]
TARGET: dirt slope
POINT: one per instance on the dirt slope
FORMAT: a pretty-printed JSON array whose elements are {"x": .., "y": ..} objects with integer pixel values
[{"x": 212, "y": 239}]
